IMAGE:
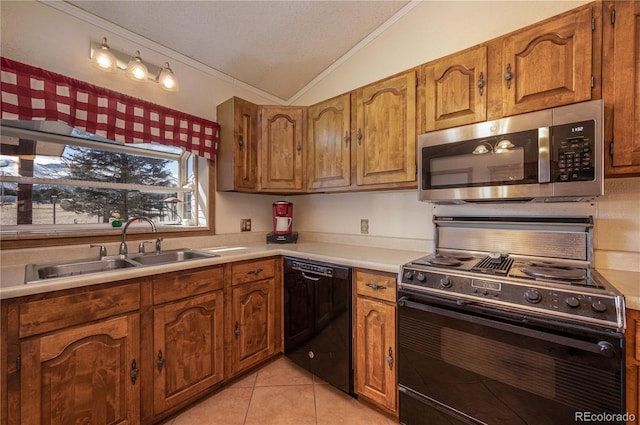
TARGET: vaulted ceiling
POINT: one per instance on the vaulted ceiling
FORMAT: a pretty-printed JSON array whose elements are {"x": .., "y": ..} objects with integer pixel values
[{"x": 278, "y": 47}]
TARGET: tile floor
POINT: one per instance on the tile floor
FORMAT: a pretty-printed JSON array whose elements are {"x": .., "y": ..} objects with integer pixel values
[{"x": 280, "y": 393}]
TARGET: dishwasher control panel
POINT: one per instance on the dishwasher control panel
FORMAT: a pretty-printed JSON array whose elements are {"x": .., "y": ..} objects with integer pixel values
[{"x": 312, "y": 268}]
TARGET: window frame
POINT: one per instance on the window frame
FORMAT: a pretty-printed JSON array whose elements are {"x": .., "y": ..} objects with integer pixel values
[{"x": 42, "y": 237}]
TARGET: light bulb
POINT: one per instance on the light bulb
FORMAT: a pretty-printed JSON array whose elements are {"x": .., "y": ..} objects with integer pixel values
[
  {"x": 136, "y": 69},
  {"x": 167, "y": 78},
  {"x": 103, "y": 58}
]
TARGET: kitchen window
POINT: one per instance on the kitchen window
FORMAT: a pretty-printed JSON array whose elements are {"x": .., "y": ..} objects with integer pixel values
[{"x": 78, "y": 182}]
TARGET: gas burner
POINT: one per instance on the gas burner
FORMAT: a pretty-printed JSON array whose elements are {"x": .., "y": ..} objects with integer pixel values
[{"x": 551, "y": 272}]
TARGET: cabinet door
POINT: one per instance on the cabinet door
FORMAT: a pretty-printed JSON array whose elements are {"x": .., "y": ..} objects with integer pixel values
[
  {"x": 188, "y": 348},
  {"x": 375, "y": 368},
  {"x": 282, "y": 148},
  {"x": 328, "y": 147},
  {"x": 253, "y": 324},
  {"x": 455, "y": 90},
  {"x": 548, "y": 65},
  {"x": 386, "y": 131},
  {"x": 622, "y": 86},
  {"x": 632, "y": 336},
  {"x": 237, "y": 156},
  {"x": 82, "y": 375}
]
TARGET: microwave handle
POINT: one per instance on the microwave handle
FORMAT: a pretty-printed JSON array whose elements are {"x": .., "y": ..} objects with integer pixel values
[{"x": 544, "y": 153}]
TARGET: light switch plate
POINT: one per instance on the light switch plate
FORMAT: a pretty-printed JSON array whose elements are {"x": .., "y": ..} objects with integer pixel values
[{"x": 364, "y": 226}]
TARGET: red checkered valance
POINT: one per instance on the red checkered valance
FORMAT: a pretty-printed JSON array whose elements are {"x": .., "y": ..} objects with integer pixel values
[{"x": 30, "y": 93}]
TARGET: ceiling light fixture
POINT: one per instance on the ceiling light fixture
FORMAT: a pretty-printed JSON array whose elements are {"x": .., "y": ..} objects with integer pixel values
[
  {"x": 108, "y": 59},
  {"x": 136, "y": 69},
  {"x": 103, "y": 58}
]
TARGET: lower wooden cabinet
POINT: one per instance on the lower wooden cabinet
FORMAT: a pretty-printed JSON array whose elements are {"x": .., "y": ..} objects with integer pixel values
[
  {"x": 375, "y": 342},
  {"x": 82, "y": 375},
  {"x": 632, "y": 338},
  {"x": 254, "y": 317},
  {"x": 188, "y": 347}
]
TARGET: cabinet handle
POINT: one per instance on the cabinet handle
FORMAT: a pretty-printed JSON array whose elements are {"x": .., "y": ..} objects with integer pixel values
[
  {"x": 255, "y": 271},
  {"x": 481, "y": 83},
  {"x": 299, "y": 148},
  {"x": 389, "y": 358},
  {"x": 346, "y": 139},
  {"x": 160, "y": 360},
  {"x": 508, "y": 75},
  {"x": 375, "y": 286},
  {"x": 237, "y": 330},
  {"x": 134, "y": 372},
  {"x": 359, "y": 136},
  {"x": 240, "y": 142}
]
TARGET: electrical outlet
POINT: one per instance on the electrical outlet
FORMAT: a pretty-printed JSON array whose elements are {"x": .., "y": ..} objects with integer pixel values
[
  {"x": 245, "y": 224},
  {"x": 364, "y": 226}
]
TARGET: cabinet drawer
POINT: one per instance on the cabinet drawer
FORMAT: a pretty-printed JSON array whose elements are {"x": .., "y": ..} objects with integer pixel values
[
  {"x": 60, "y": 312},
  {"x": 378, "y": 285},
  {"x": 180, "y": 285},
  {"x": 252, "y": 271}
]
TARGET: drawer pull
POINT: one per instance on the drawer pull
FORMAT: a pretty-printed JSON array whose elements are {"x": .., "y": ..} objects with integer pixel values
[
  {"x": 255, "y": 271},
  {"x": 134, "y": 371},
  {"x": 375, "y": 286},
  {"x": 160, "y": 360}
]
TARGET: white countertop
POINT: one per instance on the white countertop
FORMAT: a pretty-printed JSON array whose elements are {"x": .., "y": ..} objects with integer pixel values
[{"x": 382, "y": 259}]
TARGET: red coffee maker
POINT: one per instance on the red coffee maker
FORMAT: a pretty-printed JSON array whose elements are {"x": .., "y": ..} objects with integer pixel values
[{"x": 282, "y": 223}]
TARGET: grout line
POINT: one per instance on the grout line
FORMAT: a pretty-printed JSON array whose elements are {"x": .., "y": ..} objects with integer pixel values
[{"x": 246, "y": 413}]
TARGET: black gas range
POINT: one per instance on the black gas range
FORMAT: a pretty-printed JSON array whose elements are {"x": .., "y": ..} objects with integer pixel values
[{"x": 507, "y": 322}]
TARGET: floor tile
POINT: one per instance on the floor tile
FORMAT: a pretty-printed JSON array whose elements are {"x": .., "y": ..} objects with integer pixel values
[
  {"x": 282, "y": 405},
  {"x": 283, "y": 372},
  {"x": 333, "y": 407},
  {"x": 228, "y": 407},
  {"x": 245, "y": 382}
]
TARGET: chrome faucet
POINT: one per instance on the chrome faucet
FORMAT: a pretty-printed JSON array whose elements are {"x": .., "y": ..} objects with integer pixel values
[{"x": 123, "y": 245}]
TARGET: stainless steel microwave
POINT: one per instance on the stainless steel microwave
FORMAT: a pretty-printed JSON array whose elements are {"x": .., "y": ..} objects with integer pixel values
[{"x": 550, "y": 155}]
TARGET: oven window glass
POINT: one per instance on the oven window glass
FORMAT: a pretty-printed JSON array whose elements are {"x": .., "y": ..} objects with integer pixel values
[{"x": 502, "y": 160}]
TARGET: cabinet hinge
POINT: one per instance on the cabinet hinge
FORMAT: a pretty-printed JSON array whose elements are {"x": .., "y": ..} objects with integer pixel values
[
  {"x": 612, "y": 13},
  {"x": 19, "y": 362},
  {"x": 593, "y": 81},
  {"x": 611, "y": 149},
  {"x": 593, "y": 23}
]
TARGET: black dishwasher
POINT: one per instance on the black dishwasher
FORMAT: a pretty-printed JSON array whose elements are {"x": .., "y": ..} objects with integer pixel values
[{"x": 317, "y": 319}]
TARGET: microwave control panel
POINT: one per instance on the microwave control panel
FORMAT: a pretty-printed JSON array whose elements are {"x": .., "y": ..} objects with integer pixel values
[{"x": 573, "y": 152}]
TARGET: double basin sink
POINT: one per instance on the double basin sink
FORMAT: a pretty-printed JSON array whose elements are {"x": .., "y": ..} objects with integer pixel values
[{"x": 40, "y": 272}]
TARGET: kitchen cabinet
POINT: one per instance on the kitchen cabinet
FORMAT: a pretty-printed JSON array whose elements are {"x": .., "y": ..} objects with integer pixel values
[
  {"x": 384, "y": 134},
  {"x": 632, "y": 338},
  {"x": 188, "y": 336},
  {"x": 548, "y": 64},
  {"x": 375, "y": 376},
  {"x": 237, "y": 155},
  {"x": 455, "y": 89},
  {"x": 75, "y": 357},
  {"x": 328, "y": 144},
  {"x": 621, "y": 87},
  {"x": 281, "y": 151},
  {"x": 254, "y": 324}
]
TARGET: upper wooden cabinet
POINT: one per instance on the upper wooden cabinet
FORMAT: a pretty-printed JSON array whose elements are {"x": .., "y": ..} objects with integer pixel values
[
  {"x": 455, "y": 89},
  {"x": 328, "y": 144},
  {"x": 621, "y": 87},
  {"x": 547, "y": 64},
  {"x": 281, "y": 165},
  {"x": 237, "y": 155},
  {"x": 385, "y": 131}
]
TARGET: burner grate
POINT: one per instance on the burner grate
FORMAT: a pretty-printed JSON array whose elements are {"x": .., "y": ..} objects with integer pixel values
[{"x": 499, "y": 266}]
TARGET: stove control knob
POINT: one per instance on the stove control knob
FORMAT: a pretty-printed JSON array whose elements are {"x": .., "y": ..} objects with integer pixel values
[
  {"x": 532, "y": 296},
  {"x": 408, "y": 275},
  {"x": 421, "y": 277},
  {"x": 599, "y": 306},
  {"x": 445, "y": 282},
  {"x": 572, "y": 302}
]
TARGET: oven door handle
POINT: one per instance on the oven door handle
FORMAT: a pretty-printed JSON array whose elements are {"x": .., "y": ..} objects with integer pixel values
[{"x": 604, "y": 348}]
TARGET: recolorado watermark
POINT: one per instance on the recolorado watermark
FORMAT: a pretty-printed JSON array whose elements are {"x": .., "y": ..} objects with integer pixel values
[{"x": 603, "y": 417}]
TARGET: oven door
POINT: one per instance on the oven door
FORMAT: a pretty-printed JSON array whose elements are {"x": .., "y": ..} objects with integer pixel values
[{"x": 460, "y": 367}]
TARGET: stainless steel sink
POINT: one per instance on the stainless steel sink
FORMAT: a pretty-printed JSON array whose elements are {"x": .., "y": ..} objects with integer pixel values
[
  {"x": 36, "y": 272},
  {"x": 171, "y": 256}
]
